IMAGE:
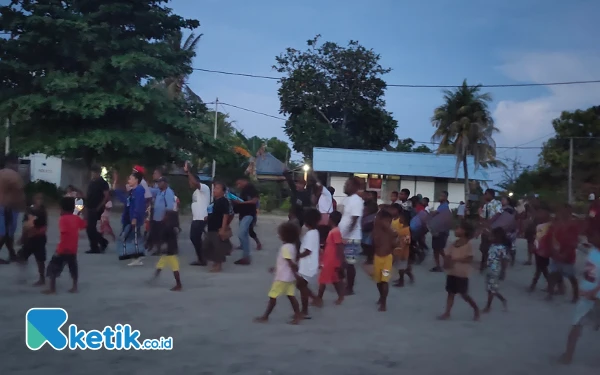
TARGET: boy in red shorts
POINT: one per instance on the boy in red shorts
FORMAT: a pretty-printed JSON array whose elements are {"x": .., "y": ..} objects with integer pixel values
[
  {"x": 332, "y": 261},
  {"x": 66, "y": 251}
]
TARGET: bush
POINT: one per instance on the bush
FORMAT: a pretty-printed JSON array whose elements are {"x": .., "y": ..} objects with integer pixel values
[
  {"x": 51, "y": 192},
  {"x": 286, "y": 205}
]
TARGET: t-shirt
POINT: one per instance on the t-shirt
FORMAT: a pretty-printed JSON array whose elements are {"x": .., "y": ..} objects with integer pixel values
[
  {"x": 402, "y": 249},
  {"x": 309, "y": 265},
  {"x": 591, "y": 272},
  {"x": 165, "y": 201},
  {"x": 41, "y": 220},
  {"x": 496, "y": 254},
  {"x": 215, "y": 218},
  {"x": 283, "y": 271},
  {"x": 542, "y": 240},
  {"x": 331, "y": 257},
  {"x": 353, "y": 207},
  {"x": 147, "y": 191},
  {"x": 565, "y": 239},
  {"x": 325, "y": 203},
  {"x": 200, "y": 202},
  {"x": 69, "y": 226},
  {"x": 95, "y": 193},
  {"x": 491, "y": 208},
  {"x": 461, "y": 210},
  {"x": 249, "y": 192},
  {"x": 459, "y": 253}
]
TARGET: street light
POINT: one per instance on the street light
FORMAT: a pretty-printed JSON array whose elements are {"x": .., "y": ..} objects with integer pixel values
[
  {"x": 306, "y": 168},
  {"x": 510, "y": 194}
]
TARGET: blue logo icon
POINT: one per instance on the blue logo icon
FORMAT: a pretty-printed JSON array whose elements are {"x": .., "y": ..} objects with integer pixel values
[{"x": 42, "y": 325}]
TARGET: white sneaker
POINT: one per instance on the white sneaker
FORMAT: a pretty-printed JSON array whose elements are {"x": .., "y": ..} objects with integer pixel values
[{"x": 137, "y": 262}]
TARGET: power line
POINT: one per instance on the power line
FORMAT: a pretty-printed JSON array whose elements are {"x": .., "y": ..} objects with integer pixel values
[
  {"x": 253, "y": 111},
  {"x": 565, "y": 83}
]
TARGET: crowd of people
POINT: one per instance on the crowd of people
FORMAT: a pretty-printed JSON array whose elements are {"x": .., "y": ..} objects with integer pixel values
[{"x": 321, "y": 245}]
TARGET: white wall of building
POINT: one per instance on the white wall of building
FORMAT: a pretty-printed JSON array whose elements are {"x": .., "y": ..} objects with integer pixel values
[
  {"x": 45, "y": 168},
  {"x": 408, "y": 183},
  {"x": 338, "y": 182},
  {"x": 456, "y": 193},
  {"x": 426, "y": 189}
]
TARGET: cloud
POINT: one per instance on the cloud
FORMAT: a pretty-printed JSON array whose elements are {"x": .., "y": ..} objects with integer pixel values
[{"x": 520, "y": 121}]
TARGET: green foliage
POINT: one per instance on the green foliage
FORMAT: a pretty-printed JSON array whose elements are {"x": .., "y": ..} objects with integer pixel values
[
  {"x": 334, "y": 97},
  {"x": 76, "y": 80},
  {"x": 51, "y": 192},
  {"x": 408, "y": 145},
  {"x": 286, "y": 205}
]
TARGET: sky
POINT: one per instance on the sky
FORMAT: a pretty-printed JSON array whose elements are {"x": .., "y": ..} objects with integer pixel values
[{"x": 436, "y": 42}]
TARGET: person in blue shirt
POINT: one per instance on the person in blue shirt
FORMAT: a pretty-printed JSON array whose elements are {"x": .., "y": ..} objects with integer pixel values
[
  {"x": 135, "y": 203},
  {"x": 164, "y": 200}
]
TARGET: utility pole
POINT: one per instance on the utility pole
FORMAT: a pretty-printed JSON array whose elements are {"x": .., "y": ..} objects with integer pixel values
[
  {"x": 570, "y": 170},
  {"x": 214, "y": 163}
]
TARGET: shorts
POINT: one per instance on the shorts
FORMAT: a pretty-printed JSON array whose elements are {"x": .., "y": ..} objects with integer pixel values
[
  {"x": 541, "y": 262},
  {"x": 35, "y": 246},
  {"x": 587, "y": 312},
  {"x": 216, "y": 249},
  {"x": 8, "y": 222},
  {"x": 565, "y": 269},
  {"x": 492, "y": 280},
  {"x": 279, "y": 288},
  {"x": 457, "y": 285},
  {"x": 172, "y": 261},
  {"x": 351, "y": 250},
  {"x": 58, "y": 262},
  {"x": 438, "y": 242},
  {"x": 382, "y": 268},
  {"x": 329, "y": 275}
]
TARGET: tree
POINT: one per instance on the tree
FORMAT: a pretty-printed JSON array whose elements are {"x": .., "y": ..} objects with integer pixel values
[
  {"x": 76, "y": 80},
  {"x": 408, "y": 145},
  {"x": 464, "y": 123},
  {"x": 334, "y": 97},
  {"x": 176, "y": 85}
]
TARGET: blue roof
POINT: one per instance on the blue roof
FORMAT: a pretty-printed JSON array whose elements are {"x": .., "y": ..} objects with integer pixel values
[
  {"x": 392, "y": 163},
  {"x": 269, "y": 165}
]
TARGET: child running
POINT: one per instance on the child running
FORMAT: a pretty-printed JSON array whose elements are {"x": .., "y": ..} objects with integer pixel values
[
  {"x": 498, "y": 257},
  {"x": 333, "y": 256},
  {"x": 541, "y": 245},
  {"x": 169, "y": 257},
  {"x": 284, "y": 270},
  {"x": 587, "y": 310},
  {"x": 34, "y": 238},
  {"x": 402, "y": 249},
  {"x": 457, "y": 262},
  {"x": 105, "y": 228},
  {"x": 66, "y": 251},
  {"x": 565, "y": 232},
  {"x": 308, "y": 258},
  {"x": 384, "y": 241}
]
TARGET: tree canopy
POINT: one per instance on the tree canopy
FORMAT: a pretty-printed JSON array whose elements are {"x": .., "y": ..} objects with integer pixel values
[
  {"x": 334, "y": 97},
  {"x": 408, "y": 145},
  {"x": 76, "y": 80}
]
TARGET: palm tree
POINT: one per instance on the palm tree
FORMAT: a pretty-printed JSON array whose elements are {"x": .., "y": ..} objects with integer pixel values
[
  {"x": 464, "y": 125},
  {"x": 177, "y": 86}
]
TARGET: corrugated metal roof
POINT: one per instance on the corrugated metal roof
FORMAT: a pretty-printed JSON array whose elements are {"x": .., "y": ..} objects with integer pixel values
[
  {"x": 269, "y": 165},
  {"x": 392, "y": 163}
]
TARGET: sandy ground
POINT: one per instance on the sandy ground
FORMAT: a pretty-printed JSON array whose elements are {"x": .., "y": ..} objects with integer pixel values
[{"x": 211, "y": 323}]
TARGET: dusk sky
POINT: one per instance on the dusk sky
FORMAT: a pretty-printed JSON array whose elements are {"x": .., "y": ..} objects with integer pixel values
[{"x": 431, "y": 42}]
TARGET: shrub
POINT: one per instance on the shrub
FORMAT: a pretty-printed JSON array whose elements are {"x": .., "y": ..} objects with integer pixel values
[{"x": 51, "y": 192}]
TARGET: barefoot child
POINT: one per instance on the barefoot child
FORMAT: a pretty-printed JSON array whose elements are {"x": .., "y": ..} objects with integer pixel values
[
  {"x": 587, "y": 310},
  {"x": 308, "y": 258},
  {"x": 498, "y": 257},
  {"x": 402, "y": 248},
  {"x": 333, "y": 256},
  {"x": 541, "y": 245},
  {"x": 169, "y": 256},
  {"x": 384, "y": 241},
  {"x": 105, "y": 228},
  {"x": 457, "y": 262},
  {"x": 564, "y": 234},
  {"x": 66, "y": 251},
  {"x": 34, "y": 237},
  {"x": 285, "y": 270}
]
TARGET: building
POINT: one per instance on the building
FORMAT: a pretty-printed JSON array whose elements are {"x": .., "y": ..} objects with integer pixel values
[
  {"x": 60, "y": 172},
  {"x": 385, "y": 171}
]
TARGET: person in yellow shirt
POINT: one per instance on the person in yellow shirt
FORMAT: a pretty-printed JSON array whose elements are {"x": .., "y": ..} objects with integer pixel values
[{"x": 402, "y": 248}]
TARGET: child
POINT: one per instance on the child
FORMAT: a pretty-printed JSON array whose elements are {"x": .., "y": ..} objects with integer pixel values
[
  {"x": 308, "y": 258},
  {"x": 402, "y": 249},
  {"x": 105, "y": 227},
  {"x": 564, "y": 233},
  {"x": 367, "y": 223},
  {"x": 285, "y": 269},
  {"x": 587, "y": 310},
  {"x": 66, "y": 251},
  {"x": 457, "y": 262},
  {"x": 541, "y": 245},
  {"x": 169, "y": 257},
  {"x": 333, "y": 256},
  {"x": 384, "y": 240},
  {"x": 497, "y": 260},
  {"x": 34, "y": 238}
]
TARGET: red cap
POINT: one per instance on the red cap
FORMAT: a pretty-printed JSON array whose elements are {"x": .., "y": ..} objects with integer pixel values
[{"x": 139, "y": 169}]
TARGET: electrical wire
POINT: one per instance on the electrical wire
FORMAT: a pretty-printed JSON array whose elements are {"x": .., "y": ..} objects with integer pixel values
[{"x": 504, "y": 85}]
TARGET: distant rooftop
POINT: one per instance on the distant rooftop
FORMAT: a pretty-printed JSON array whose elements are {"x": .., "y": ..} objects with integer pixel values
[{"x": 392, "y": 163}]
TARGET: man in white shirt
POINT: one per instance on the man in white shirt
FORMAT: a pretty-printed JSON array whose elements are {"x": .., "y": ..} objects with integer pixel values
[
  {"x": 200, "y": 203},
  {"x": 351, "y": 230},
  {"x": 461, "y": 210}
]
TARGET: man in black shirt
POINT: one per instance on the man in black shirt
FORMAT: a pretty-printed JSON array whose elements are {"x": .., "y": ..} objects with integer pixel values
[
  {"x": 216, "y": 243},
  {"x": 97, "y": 196},
  {"x": 247, "y": 212},
  {"x": 300, "y": 196}
]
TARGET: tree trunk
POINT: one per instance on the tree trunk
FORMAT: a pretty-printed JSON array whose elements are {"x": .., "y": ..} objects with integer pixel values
[{"x": 466, "y": 172}]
